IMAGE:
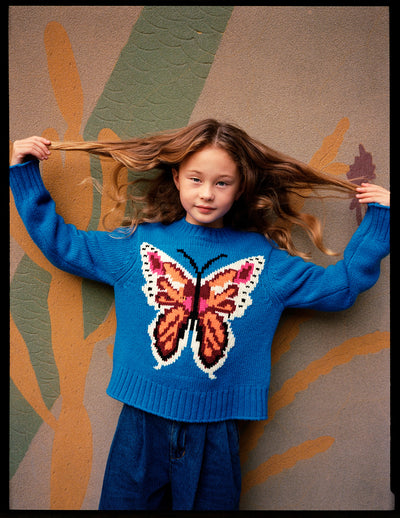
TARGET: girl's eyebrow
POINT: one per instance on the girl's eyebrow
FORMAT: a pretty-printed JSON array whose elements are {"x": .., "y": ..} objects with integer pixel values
[{"x": 222, "y": 175}]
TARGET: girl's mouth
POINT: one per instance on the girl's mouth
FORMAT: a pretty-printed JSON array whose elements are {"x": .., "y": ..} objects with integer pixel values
[{"x": 204, "y": 209}]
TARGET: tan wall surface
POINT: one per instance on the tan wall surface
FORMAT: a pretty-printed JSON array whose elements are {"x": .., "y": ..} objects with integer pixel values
[{"x": 310, "y": 81}]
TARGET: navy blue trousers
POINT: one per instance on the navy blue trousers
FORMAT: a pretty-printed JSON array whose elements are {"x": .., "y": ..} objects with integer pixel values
[{"x": 156, "y": 463}]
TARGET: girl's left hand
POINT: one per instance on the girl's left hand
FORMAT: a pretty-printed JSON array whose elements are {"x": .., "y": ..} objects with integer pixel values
[{"x": 369, "y": 193}]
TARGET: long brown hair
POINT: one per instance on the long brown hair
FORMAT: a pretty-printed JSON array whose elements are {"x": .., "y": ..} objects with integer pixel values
[{"x": 270, "y": 180}]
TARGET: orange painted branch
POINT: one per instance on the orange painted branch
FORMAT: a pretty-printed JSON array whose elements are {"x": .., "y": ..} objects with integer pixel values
[{"x": 278, "y": 463}]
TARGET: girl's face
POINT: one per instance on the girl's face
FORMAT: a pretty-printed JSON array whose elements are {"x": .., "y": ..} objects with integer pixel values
[{"x": 208, "y": 183}]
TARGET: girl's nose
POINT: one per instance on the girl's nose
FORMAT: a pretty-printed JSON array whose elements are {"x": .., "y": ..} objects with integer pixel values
[{"x": 207, "y": 194}]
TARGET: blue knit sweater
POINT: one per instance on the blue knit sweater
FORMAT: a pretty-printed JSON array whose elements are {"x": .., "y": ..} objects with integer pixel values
[{"x": 197, "y": 307}]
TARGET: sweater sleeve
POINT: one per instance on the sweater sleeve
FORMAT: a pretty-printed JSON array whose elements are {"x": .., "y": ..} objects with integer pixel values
[
  {"x": 297, "y": 283},
  {"x": 95, "y": 255}
]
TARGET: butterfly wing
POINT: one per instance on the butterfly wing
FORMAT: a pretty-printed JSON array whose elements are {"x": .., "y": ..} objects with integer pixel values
[
  {"x": 214, "y": 339},
  {"x": 169, "y": 288},
  {"x": 167, "y": 333},
  {"x": 224, "y": 296}
]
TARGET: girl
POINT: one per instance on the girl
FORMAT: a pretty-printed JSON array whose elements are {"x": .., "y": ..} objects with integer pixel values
[{"x": 201, "y": 272}]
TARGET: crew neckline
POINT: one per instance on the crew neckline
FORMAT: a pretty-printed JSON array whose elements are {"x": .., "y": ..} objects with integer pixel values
[{"x": 202, "y": 232}]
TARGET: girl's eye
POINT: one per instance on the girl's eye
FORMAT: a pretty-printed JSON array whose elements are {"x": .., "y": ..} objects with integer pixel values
[{"x": 195, "y": 180}]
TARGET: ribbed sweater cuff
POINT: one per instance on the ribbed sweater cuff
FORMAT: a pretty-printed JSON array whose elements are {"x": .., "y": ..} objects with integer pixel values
[
  {"x": 378, "y": 221},
  {"x": 25, "y": 179}
]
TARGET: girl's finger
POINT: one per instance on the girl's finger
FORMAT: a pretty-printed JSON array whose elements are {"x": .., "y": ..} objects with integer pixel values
[
  {"x": 43, "y": 140},
  {"x": 38, "y": 151},
  {"x": 371, "y": 189}
]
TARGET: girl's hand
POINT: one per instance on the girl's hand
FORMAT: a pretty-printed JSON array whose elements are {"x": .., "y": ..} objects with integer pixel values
[
  {"x": 34, "y": 146},
  {"x": 369, "y": 193}
]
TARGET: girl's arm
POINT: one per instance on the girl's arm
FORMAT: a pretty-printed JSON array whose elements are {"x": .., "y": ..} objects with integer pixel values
[
  {"x": 297, "y": 283},
  {"x": 95, "y": 255}
]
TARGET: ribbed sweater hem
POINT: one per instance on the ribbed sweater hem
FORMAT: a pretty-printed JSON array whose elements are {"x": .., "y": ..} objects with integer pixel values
[{"x": 237, "y": 402}]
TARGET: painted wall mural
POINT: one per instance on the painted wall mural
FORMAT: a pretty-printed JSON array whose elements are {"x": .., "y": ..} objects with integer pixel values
[{"x": 324, "y": 415}]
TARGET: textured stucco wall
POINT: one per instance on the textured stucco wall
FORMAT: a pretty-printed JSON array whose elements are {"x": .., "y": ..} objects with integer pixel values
[{"x": 311, "y": 81}]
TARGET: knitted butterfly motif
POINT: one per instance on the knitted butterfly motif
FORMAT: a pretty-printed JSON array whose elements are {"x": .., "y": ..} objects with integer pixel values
[{"x": 202, "y": 306}]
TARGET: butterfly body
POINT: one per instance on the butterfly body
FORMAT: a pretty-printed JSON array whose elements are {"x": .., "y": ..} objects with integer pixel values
[{"x": 202, "y": 306}]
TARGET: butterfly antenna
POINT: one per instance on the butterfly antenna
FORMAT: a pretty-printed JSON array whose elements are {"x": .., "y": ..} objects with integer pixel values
[
  {"x": 190, "y": 260},
  {"x": 209, "y": 263}
]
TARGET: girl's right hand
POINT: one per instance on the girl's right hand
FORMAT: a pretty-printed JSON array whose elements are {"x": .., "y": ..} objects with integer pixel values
[{"x": 34, "y": 146}]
